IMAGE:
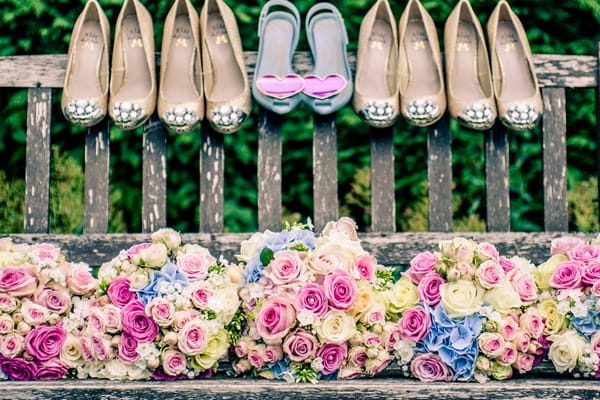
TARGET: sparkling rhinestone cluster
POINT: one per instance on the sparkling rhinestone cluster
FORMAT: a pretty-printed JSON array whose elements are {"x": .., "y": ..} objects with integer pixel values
[
  {"x": 227, "y": 118},
  {"x": 83, "y": 112},
  {"x": 422, "y": 111},
  {"x": 521, "y": 116},
  {"x": 181, "y": 119},
  {"x": 479, "y": 115},
  {"x": 378, "y": 113},
  {"x": 127, "y": 114}
]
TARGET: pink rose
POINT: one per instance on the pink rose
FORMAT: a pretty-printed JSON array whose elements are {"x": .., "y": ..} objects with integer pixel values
[
  {"x": 286, "y": 267},
  {"x": 524, "y": 284},
  {"x": 273, "y": 354},
  {"x": 491, "y": 344},
  {"x": 7, "y": 303},
  {"x": 508, "y": 328},
  {"x": 96, "y": 321},
  {"x": 347, "y": 372},
  {"x": 182, "y": 317},
  {"x": 56, "y": 299},
  {"x": 242, "y": 366},
  {"x": 584, "y": 253},
  {"x": 524, "y": 362},
  {"x": 87, "y": 352},
  {"x": 487, "y": 251},
  {"x": 242, "y": 347},
  {"x": 135, "y": 322},
  {"x": 119, "y": 292},
  {"x": 102, "y": 347},
  {"x": 428, "y": 367},
  {"x": 490, "y": 274},
  {"x": 533, "y": 322},
  {"x": 347, "y": 226},
  {"x": 275, "y": 318},
  {"x": 256, "y": 356},
  {"x": 375, "y": 315},
  {"x": 596, "y": 288},
  {"x": 429, "y": 288},
  {"x": 357, "y": 355},
  {"x": 563, "y": 244},
  {"x": 365, "y": 267},
  {"x": 173, "y": 362},
  {"x": 506, "y": 264},
  {"x": 128, "y": 349},
  {"x": 33, "y": 313},
  {"x": 12, "y": 345},
  {"x": 375, "y": 366},
  {"x": 421, "y": 265},
  {"x": 18, "y": 281},
  {"x": 591, "y": 273},
  {"x": 371, "y": 339},
  {"x": 193, "y": 338},
  {"x": 341, "y": 289},
  {"x": 195, "y": 265},
  {"x": 162, "y": 311},
  {"x": 80, "y": 280},
  {"x": 136, "y": 248},
  {"x": 299, "y": 346},
  {"x": 522, "y": 340},
  {"x": 391, "y": 337},
  {"x": 595, "y": 342},
  {"x": 46, "y": 251},
  {"x": 509, "y": 355},
  {"x": 50, "y": 370},
  {"x": 567, "y": 275},
  {"x": 332, "y": 355},
  {"x": 112, "y": 318},
  {"x": 201, "y": 294},
  {"x": 18, "y": 369},
  {"x": 7, "y": 324},
  {"x": 414, "y": 324},
  {"x": 311, "y": 297},
  {"x": 45, "y": 342}
]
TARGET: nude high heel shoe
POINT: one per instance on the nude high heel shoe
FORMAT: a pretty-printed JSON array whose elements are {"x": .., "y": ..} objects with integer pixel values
[
  {"x": 85, "y": 92},
  {"x": 133, "y": 72},
  {"x": 516, "y": 87}
]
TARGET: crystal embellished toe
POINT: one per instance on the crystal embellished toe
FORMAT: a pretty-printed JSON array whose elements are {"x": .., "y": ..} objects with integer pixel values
[
  {"x": 181, "y": 119},
  {"x": 478, "y": 116},
  {"x": 227, "y": 119},
  {"x": 521, "y": 117},
  {"x": 83, "y": 112},
  {"x": 127, "y": 115},
  {"x": 422, "y": 111},
  {"x": 378, "y": 113}
]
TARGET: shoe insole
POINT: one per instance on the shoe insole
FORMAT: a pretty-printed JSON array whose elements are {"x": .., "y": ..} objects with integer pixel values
[
  {"x": 372, "y": 81},
  {"x": 328, "y": 52},
  {"x": 517, "y": 83},
  {"x": 178, "y": 85},
  {"x": 83, "y": 82},
  {"x": 137, "y": 81},
  {"x": 228, "y": 82},
  {"x": 424, "y": 76},
  {"x": 465, "y": 77},
  {"x": 277, "y": 40}
]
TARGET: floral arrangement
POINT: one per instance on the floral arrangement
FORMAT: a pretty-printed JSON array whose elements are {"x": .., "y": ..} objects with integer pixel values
[
  {"x": 570, "y": 300},
  {"x": 315, "y": 306},
  {"x": 37, "y": 290},
  {"x": 161, "y": 311},
  {"x": 465, "y": 312}
]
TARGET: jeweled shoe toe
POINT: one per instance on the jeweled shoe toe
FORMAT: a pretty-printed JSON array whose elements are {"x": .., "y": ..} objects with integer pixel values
[
  {"x": 521, "y": 117},
  {"x": 181, "y": 119},
  {"x": 227, "y": 119},
  {"x": 379, "y": 113},
  {"x": 84, "y": 112},
  {"x": 478, "y": 116},
  {"x": 422, "y": 112},
  {"x": 127, "y": 115}
]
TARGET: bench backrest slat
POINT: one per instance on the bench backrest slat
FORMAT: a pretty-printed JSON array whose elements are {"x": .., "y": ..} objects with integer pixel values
[
  {"x": 269, "y": 170},
  {"x": 154, "y": 187},
  {"x": 37, "y": 174},
  {"x": 97, "y": 170},
  {"x": 325, "y": 171},
  {"x": 212, "y": 166},
  {"x": 439, "y": 175},
  {"x": 383, "y": 202},
  {"x": 496, "y": 179}
]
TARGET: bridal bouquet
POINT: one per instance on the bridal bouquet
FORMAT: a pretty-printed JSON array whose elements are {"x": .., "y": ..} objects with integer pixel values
[
  {"x": 315, "y": 306},
  {"x": 467, "y": 313},
  {"x": 570, "y": 300},
  {"x": 37, "y": 289},
  {"x": 161, "y": 312}
]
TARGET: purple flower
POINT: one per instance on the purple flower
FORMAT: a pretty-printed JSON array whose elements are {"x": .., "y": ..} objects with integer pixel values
[
  {"x": 421, "y": 265},
  {"x": 341, "y": 289},
  {"x": 332, "y": 355},
  {"x": 311, "y": 297},
  {"x": 128, "y": 349},
  {"x": 300, "y": 345},
  {"x": 18, "y": 369},
  {"x": 429, "y": 288},
  {"x": 119, "y": 292},
  {"x": 50, "y": 370},
  {"x": 414, "y": 324},
  {"x": 567, "y": 275},
  {"x": 139, "y": 325},
  {"x": 429, "y": 367},
  {"x": 160, "y": 375},
  {"x": 591, "y": 273},
  {"x": 45, "y": 342}
]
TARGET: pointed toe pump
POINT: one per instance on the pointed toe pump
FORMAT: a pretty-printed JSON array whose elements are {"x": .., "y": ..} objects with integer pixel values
[
  {"x": 226, "y": 87},
  {"x": 516, "y": 87},
  {"x": 180, "y": 95},
  {"x": 133, "y": 72},
  {"x": 422, "y": 92},
  {"x": 376, "y": 98},
  {"x": 468, "y": 75},
  {"x": 85, "y": 92}
]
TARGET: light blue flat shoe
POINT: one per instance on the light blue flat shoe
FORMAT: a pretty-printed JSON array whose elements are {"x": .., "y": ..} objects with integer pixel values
[
  {"x": 329, "y": 87},
  {"x": 275, "y": 85}
]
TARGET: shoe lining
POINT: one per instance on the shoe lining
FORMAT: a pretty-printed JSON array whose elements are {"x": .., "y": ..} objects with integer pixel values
[
  {"x": 178, "y": 85},
  {"x": 517, "y": 83},
  {"x": 228, "y": 82},
  {"x": 465, "y": 77},
  {"x": 276, "y": 47},
  {"x": 137, "y": 82},
  {"x": 424, "y": 76},
  {"x": 83, "y": 82},
  {"x": 372, "y": 81}
]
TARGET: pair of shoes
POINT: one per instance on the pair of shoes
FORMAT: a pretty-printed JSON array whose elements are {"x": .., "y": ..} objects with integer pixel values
[
  {"x": 276, "y": 86},
  {"x": 477, "y": 94},
  {"x": 131, "y": 97},
  {"x": 398, "y": 72},
  {"x": 214, "y": 39}
]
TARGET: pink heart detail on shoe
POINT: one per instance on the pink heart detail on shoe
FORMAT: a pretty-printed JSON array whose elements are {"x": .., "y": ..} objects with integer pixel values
[
  {"x": 322, "y": 88},
  {"x": 280, "y": 88}
]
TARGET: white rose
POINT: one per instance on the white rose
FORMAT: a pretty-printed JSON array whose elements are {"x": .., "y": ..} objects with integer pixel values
[
  {"x": 167, "y": 236},
  {"x": 70, "y": 354},
  {"x": 565, "y": 350},
  {"x": 154, "y": 256},
  {"x": 336, "y": 327},
  {"x": 503, "y": 297},
  {"x": 114, "y": 370},
  {"x": 107, "y": 273},
  {"x": 249, "y": 248},
  {"x": 139, "y": 279},
  {"x": 225, "y": 303},
  {"x": 461, "y": 298}
]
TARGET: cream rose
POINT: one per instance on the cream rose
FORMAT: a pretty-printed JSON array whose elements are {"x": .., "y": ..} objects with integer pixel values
[
  {"x": 336, "y": 327},
  {"x": 461, "y": 298},
  {"x": 565, "y": 350},
  {"x": 216, "y": 348},
  {"x": 70, "y": 354},
  {"x": 503, "y": 297},
  {"x": 154, "y": 256},
  {"x": 403, "y": 296},
  {"x": 544, "y": 271},
  {"x": 168, "y": 236},
  {"x": 555, "y": 322}
]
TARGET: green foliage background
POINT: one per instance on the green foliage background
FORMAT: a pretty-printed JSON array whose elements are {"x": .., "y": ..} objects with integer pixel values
[{"x": 44, "y": 27}]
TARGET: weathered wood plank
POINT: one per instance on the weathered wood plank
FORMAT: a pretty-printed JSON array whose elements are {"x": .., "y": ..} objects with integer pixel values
[
  {"x": 496, "y": 179},
  {"x": 439, "y": 175},
  {"x": 597, "y": 200},
  {"x": 383, "y": 204},
  {"x": 389, "y": 248},
  {"x": 554, "y": 147},
  {"x": 269, "y": 170},
  {"x": 49, "y": 70},
  {"x": 97, "y": 165},
  {"x": 324, "y": 170},
  {"x": 37, "y": 160},
  {"x": 154, "y": 177},
  {"x": 212, "y": 172},
  {"x": 228, "y": 388}
]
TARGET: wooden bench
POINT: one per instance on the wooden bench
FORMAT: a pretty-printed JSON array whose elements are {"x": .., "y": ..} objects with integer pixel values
[{"x": 42, "y": 73}]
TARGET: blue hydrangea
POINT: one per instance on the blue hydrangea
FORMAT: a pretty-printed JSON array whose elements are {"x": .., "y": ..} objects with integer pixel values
[
  {"x": 253, "y": 270},
  {"x": 589, "y": 324},
  {"x": 280, "y": 368},
  {"x": 169, "y": 274}
]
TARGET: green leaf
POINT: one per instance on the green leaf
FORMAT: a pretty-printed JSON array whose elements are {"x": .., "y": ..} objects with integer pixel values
[{"x": 266, "y": 255}]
